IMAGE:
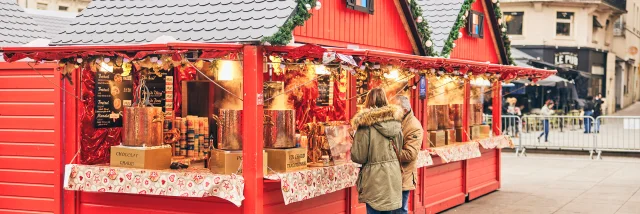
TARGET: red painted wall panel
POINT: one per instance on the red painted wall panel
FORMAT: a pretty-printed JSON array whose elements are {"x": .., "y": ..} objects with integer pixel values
[
  {"x": 30, "y": 148},
  {"x": 483, "y": 173},
  {"x": 443, "y": 185},
  {"x": 128, "y": 203},
  {"x": 477, "y": 49},
  {"x": 336, "y": 25},
  {"x": 332, "y": 203}
]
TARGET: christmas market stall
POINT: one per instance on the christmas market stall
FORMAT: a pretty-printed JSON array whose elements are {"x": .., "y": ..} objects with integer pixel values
[{"x": 246, "y": 109}]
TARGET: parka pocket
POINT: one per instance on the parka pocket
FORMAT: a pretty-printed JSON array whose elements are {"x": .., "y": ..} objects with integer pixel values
[{"x": 413, "y": 177}]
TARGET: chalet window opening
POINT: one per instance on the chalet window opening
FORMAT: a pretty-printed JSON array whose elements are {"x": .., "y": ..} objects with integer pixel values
[
  {"x": 365, "y": 6},
  {"x": 564, "y": 23},
  {"x": 515, "y": 22},
  {"x": 475, "y": 24}
]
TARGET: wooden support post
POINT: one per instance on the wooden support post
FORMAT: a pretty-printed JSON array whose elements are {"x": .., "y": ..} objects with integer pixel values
[
  {"x": 497, "y": 108},
  {"x": 466, "y": 110},
  {"x": 252, "y": 120}
]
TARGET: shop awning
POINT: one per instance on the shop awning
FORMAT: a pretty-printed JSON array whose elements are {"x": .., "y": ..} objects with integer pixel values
[
  {"x": 542, "y": 64},
  {"x": 214, "y": 50},
  {"x": 552, "y": 80}
]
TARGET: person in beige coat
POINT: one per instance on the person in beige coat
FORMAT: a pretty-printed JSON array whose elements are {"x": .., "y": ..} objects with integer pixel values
[
  {"x": 412, "y": 133},
  {"x": 377, "y": 142}
]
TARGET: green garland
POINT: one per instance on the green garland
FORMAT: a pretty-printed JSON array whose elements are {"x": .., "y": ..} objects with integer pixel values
[
  {"x": 460, "y": 22},
  {"x": 423, "y": 28},
  {"x": 285, "y": 32},
  {"x": 505, "y": 38}
]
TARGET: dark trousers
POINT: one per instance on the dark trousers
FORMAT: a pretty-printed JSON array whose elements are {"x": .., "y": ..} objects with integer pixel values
[
  {"x": 405, "y": 204},
  {"x": 545, "y": 124},
  {"x": 370, "y": 210},
  {"x": 587, "y": 121}
]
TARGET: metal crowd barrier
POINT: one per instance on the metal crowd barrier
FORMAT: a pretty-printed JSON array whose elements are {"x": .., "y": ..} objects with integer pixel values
[
  {"x": 564, "y": 133},
  {"x": 617, "y": 134}
]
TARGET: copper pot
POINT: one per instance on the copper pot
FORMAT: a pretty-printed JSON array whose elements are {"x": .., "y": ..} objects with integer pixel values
[
  {"x": 442, "y": 112},
  {"x": 455, "y": 113},
  {"x": 432, "y": 118},
  {"x": 279, "y": 129},
  {"x": 229, "y": 129},
  {"x": 477, "y": 113},
  {"x": 143, "y": 126}
]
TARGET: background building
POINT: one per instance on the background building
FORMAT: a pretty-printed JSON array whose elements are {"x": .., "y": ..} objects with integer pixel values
[
  {"x": 74, "y": 6},
  {"x": 574, "y": 35},
  {"x": 626, "y": 32}
]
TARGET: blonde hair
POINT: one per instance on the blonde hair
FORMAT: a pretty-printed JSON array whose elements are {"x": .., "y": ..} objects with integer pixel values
[{"x": 376, "y": 98}]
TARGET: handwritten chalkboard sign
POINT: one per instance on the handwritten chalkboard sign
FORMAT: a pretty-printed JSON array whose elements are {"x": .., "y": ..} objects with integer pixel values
[
  {"x": 324, "y": 90},
  {"x": 113, "y": 93},
  {"x": 161, "y": 88}
]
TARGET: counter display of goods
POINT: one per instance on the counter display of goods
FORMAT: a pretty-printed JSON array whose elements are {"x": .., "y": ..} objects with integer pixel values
[
  {"x": 444, "y": 109},
  {"x": 316, "y": 181},
  {"x": 198, "y": 182}
]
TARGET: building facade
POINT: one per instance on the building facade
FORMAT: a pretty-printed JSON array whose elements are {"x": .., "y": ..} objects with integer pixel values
[
  {"x": 577, "y": 35},
  {"x": 75, "y": 6},
  {"x": 626, "y": 32}
]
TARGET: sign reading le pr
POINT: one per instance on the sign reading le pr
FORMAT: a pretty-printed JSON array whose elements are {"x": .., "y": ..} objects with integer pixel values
[{"x": 567, "y": 59}]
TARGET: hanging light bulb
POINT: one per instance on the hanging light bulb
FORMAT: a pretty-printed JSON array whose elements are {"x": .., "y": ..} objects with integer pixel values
[
  {"x": 106, "y": 60},
  {"x": 498, "y": 4},
  {"x": 494, "y": 1},
  {"x": 453, "y": 45},
  {"x": 459, "y": 35},
  {"x": 504, "y": 29},
  {"x": 428, "y": 43},
  {"x": 318, "y": 5},
  {"x": 308, "y": 6},
  {"x": 125, "y": 60},
  {"x": 419, "y": 19},
  {"x": 79, "y": 60}
]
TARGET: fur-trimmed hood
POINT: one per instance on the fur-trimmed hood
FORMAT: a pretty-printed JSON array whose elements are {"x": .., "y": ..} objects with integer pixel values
[{"x": 368, "y": 117}]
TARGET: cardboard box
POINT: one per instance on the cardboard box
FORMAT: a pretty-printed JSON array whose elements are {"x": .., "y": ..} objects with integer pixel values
[
  {"x": 485, "y": 131},
  {"x": 474, "y": 131},
  {"x": 449, "y": 136},
  {"x": 141, "y": 157},
  {"x": 287, "y": 160},
  {"x": 437, "y": 138},
  {"x": 228, "y": 162}
]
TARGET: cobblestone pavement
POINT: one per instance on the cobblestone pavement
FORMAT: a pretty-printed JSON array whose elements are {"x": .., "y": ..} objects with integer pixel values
[{"x": 562, "y": 184}]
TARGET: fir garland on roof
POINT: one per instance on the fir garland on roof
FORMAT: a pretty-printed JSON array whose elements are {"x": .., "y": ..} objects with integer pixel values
[
  {"x": 300, "y": 15},
  {"x": 423, "y": 28},
  {"x": 453, "y": 34},
  {"x": 505, "y": 38}
]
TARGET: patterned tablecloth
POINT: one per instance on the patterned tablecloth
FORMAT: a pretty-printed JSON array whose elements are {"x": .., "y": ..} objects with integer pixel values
[
  {"x": 498, "y": 142},
  {"x": 424, "y": 159},
  {"x": 315, "y": 181},
  {"x": 457, "y": 151},
  {"x": 180, "y": 183}
]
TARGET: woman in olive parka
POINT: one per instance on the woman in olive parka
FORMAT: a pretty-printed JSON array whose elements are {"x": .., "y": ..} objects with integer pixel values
[{"x": 376, "y": 143}]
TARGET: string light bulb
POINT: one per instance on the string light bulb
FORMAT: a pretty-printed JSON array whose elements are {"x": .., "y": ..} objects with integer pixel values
[
  {"x": 318, "y": 5},
  {"x": 460, "y": 35},
  {"x": 308, "y": 6},
  {"x": 428, "y": 43},
  {"x": 79, "y": 60},
  {"x": 419, "y": 19}
]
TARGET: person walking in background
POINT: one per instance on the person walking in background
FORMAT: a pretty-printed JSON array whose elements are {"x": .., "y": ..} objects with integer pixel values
[
  {"x": 518, "y": 123},
  {"x": 588, "y": 112},
  {"x": 597, "y": 111},
  {"x": 412, "y": 136},
  {"x": 376, "y": 145},
  {"x": 546, "y": 112}
]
